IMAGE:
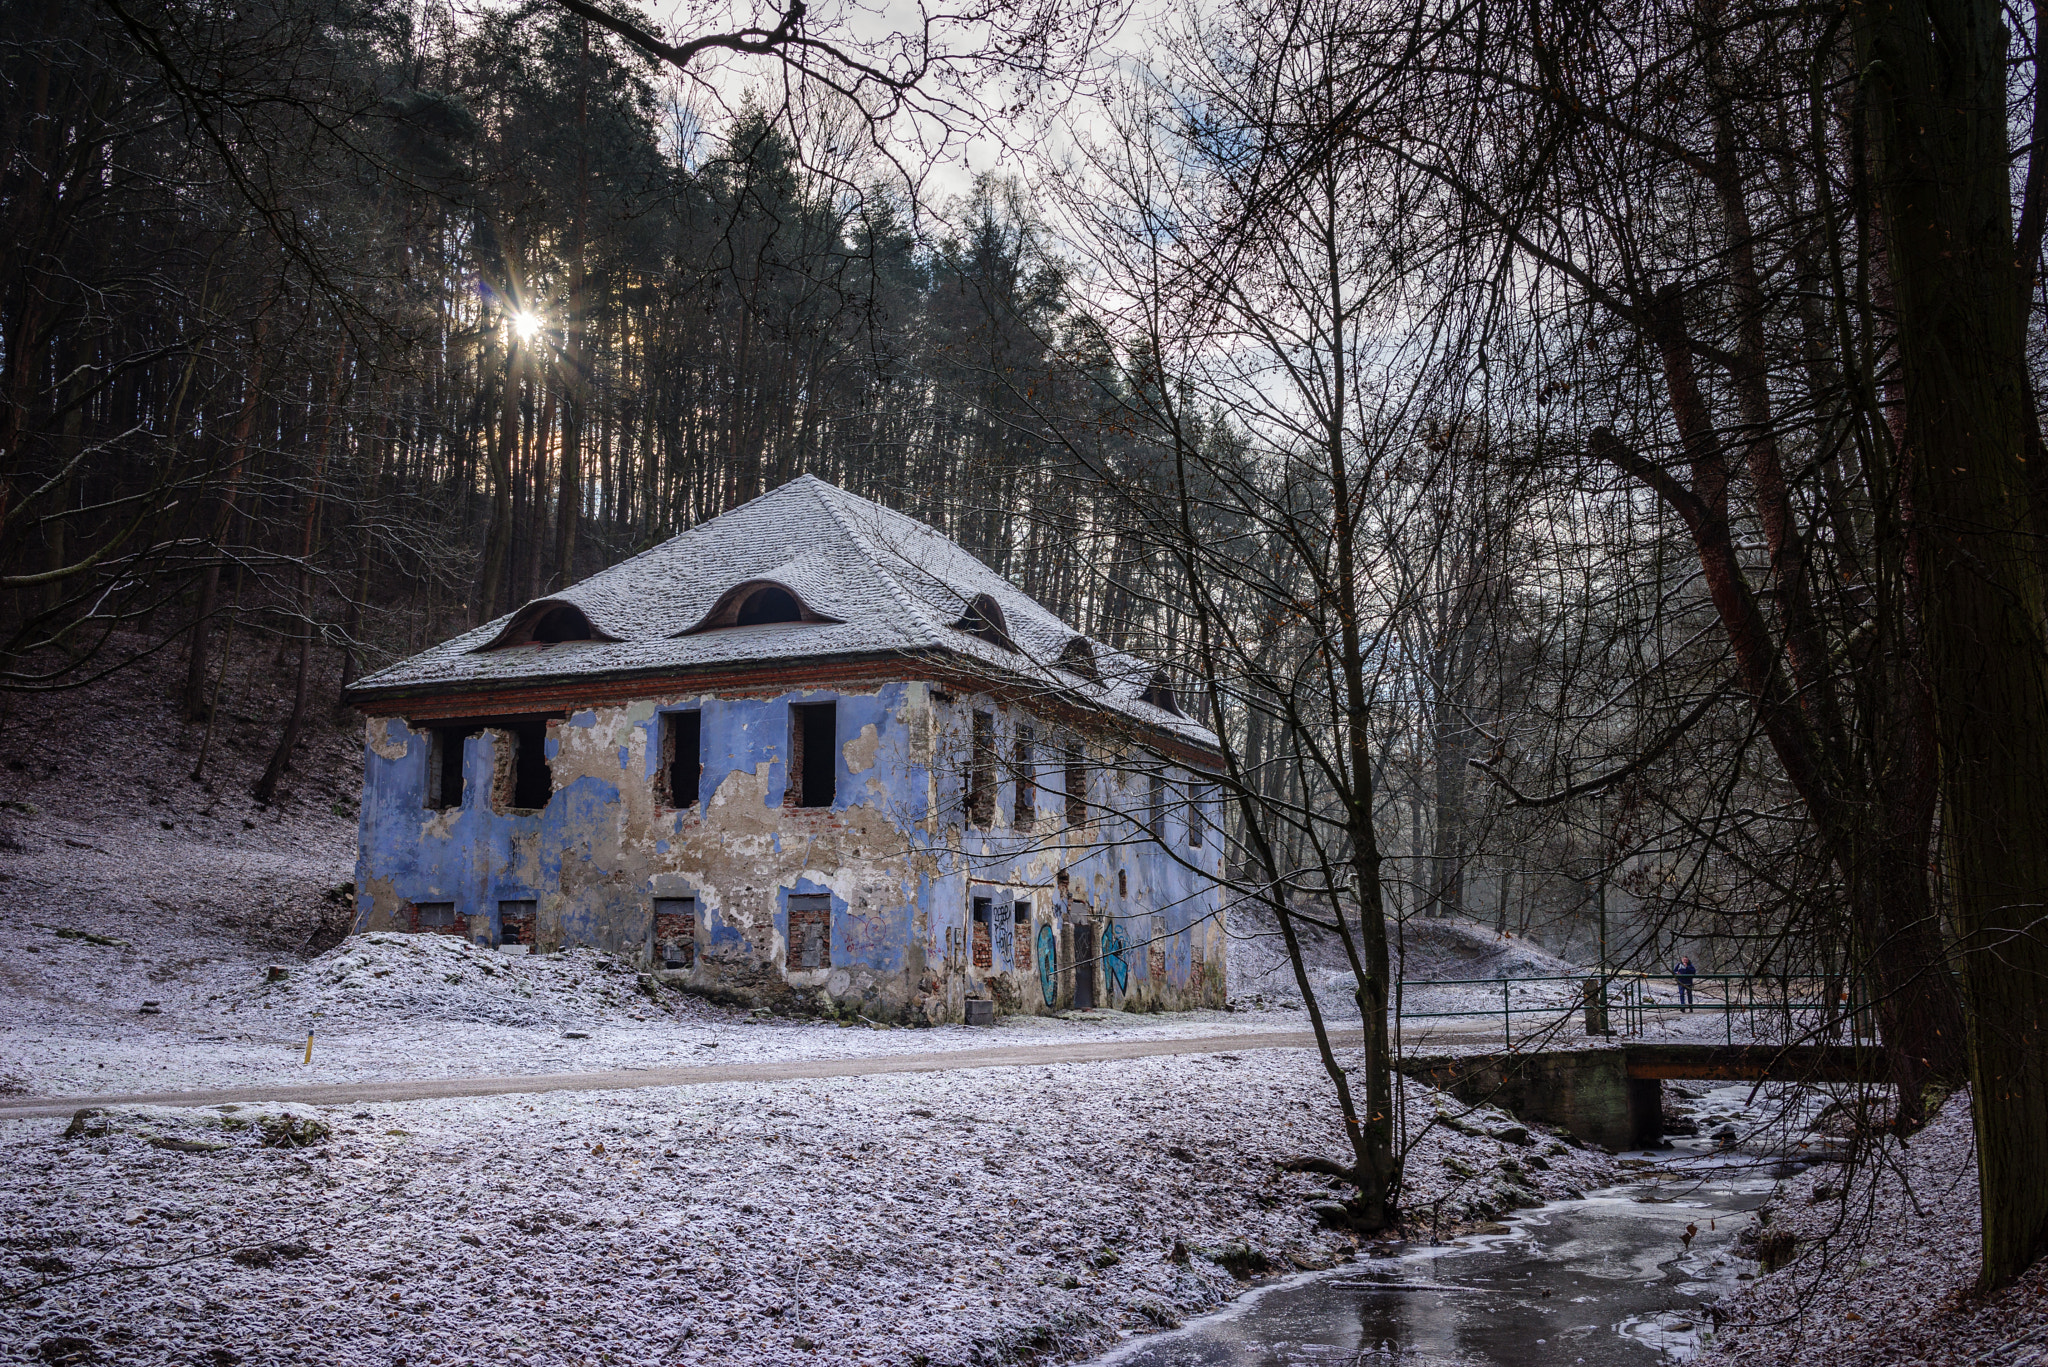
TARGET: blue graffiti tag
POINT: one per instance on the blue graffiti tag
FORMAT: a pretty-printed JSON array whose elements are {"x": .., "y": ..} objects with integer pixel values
[
  {"x": 1048, "y": 963},
  {"x": 1113, "y": 945}
]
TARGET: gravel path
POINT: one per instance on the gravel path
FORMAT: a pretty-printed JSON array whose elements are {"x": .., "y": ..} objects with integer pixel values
[{"x": 1010, "y": 1056}]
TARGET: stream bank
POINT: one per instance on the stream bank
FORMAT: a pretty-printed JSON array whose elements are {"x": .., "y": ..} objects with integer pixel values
[{"x": 1621, "y": 1276}]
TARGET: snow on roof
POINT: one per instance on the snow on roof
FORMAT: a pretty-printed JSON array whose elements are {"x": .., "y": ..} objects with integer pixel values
[{"x": 888, "y": 582}]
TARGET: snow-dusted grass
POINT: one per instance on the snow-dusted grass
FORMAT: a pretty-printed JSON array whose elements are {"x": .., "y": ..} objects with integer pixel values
[
  {"x": 392, "y": 1006},
  {"x": 1886, "y": 1256},
  {"x": 997, "y": 1215}
]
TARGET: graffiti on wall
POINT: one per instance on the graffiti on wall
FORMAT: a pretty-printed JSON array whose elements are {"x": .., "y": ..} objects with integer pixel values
[
  {"x": 1048, "y": 963},
  {"x": 1114, "y": 968}
]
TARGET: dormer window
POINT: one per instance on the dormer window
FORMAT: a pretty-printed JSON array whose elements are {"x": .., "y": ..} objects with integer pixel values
[
  {"x": 758, "y": 602},
  {"x": 984, "y": 620},
  {"x": 549, "y": 621},
  {"x": 1159, "y": 692},
  {"x": 769, "y": 604},
  {"x": 1078, "y": 657}
]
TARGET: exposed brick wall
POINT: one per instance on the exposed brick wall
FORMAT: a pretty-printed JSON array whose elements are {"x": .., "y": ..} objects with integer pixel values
[
  {"x": 810, "y": 934},
  {"x": 675, "y": 939}
]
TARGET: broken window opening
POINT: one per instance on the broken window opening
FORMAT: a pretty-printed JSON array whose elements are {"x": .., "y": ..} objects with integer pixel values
[
  {"x": 533, "y": 782},
  {"x": 682, "y": 757},
  {"x": 1155, "y": 803},
  {"x": 984, "y": 953},
  {"x": 810, "y": 930},
  {"x": 1199, "y": 796},
  {"x": 981, "y": 772},
  {"x": 675, "y": 932},
  {"x": 813, "y": 771},
  {"x": 438, "y": 918},
  {"x": 515, "y": 921},
  {"x": 1024, "y": 810},
  {"x": 1077, "y": 788},
  {"x": 1123, "y": 883},
  {"x": 444, "y": 765}
]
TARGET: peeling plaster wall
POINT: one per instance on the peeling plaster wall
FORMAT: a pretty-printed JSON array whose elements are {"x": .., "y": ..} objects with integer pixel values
[{"x": 894, "y": 853}]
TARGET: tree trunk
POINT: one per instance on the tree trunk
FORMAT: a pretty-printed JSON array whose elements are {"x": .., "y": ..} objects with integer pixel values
[
  {"x": 265, "y": 790},
  {"x": 1937, "y": 114},
  {"x": 209, "y": 582}
]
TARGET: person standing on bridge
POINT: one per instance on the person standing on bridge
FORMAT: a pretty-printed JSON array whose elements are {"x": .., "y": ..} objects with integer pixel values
[{"x": 1683, "y": 970}]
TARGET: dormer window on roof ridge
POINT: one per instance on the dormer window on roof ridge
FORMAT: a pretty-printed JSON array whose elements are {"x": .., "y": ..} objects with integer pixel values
[
  {"x": 984, "y": 620},
  {"x": 546, "y": 622},
  {"x": 758, "y": 602},
  {"x": 1159, "y": 692},
  {"x": 1077, "y": 656}
]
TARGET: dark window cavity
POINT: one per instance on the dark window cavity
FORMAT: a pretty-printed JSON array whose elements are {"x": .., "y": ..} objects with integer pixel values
[
  {"x": 1024, "y": 810},
  {"x": 1123, "y": 883},
  {"x": 981, "y": 772},
  {"x": 444, "y": 765},
  {"x": 675, "y": 931},
  {"x": 1077, "y": 788},
  {"x": 813, "y": 738},
  {"x": 984, "y": 953},
  {"x": 437, "y": 917},
  {"x": 515, "y": 921},
  {"x": 564, "y": 622},
  {"x": 810, "y": 930},
  {"x": 682, "y": 757},
  {"x": 769, "y": 604},
  {"x": 1198, "y": 813},
  {"x": 1155, "y": 802},
  {"x": 533, "y": 783}
]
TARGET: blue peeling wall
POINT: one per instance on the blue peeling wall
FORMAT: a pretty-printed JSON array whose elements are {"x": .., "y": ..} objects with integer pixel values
[{"x": 893, "y": 851}]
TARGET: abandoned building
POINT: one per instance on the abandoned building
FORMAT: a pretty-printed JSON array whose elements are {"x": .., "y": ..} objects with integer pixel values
[{"x": 808, "y": 754}]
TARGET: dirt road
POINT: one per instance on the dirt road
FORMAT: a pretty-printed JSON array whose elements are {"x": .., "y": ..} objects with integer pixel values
[{"x": 1010, "y": 1056}]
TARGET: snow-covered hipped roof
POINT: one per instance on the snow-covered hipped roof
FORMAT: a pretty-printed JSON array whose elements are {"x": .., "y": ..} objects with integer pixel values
[{"x": 875, "y": 580}]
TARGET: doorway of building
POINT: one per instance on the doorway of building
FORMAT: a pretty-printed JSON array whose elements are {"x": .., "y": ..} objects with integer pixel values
[{"x": 1084, "y": 965}]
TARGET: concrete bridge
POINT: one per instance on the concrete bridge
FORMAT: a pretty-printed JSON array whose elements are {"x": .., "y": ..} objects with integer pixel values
[{"x": 1614, "y": 1097}]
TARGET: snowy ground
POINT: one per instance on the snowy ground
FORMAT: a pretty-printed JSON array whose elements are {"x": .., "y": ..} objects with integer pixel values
[
  {"x": 1002, "y": 1215},
  {"x": 1885, "y": 1255}
]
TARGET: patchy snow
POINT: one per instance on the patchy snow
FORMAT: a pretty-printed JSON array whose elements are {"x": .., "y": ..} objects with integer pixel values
[
  {"x": 1886, "y": 1257},
  {"x": 1009, "y": 1214}
]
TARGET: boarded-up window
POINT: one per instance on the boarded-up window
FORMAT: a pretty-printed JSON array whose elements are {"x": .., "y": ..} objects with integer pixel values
[
  {"x": 682, "y": 757},
  {"x": 438, "y": 918},
  {"x": 981, "y": 772},
  {"x": 1077, "y": 788},
  {"x": 1021, "y": 940},
  {"x": 1155, "y": 951},
  {"x": 810, "y": 930},
  {"x": 813, "y": 734},
  {"x": 984, "y": 950},
  {"x": 515, "y": 921},
  {"x": 1024, "y": 769},
  {"x": 675, "y": 932}
]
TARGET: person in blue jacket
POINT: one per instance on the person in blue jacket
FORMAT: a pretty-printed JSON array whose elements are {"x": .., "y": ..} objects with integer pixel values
[{"x": 1683, "y": 970}]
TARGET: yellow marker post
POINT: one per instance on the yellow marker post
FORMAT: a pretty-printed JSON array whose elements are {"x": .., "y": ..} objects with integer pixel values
[{"x": 309, "y": 1046}]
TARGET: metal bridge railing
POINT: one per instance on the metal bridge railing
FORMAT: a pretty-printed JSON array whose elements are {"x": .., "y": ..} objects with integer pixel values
[{"x": 1628, "y": 995}]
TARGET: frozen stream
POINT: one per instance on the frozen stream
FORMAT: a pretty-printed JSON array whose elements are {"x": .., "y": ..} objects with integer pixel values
[{"x": 1605, "y": 1282}]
